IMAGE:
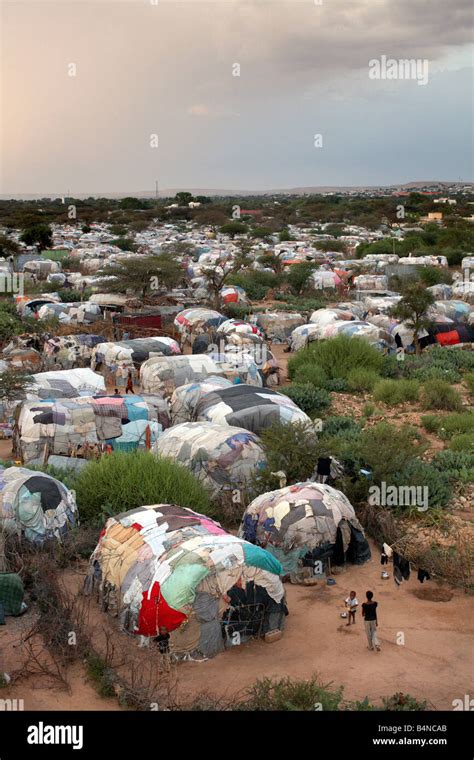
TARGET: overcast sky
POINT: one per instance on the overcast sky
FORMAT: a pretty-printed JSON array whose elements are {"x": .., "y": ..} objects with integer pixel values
[{"x": 165, "y": 68}]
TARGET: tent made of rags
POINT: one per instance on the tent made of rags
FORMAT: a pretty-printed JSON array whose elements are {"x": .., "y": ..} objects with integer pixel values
[
  {"x": 238, "y": 365},
  {"x": 35, "y": 505},
  {"x": 278, "y": 325},
  {"x": 185, "y": 398},
  {"x": 248, "y": 407},
  {"x": 69, "y": 426},
  {"x": 223, "y": 458},
  {"x": 163, "y": 374},
  {"x": 308, "y": 520},
  {"x": 70, "y": 351},
  {"x": 66, "y": 383},
  {"x": 194, "y": 321},
  {"x": 118, "y": 359},
  {"x": 167, "y": 566}
]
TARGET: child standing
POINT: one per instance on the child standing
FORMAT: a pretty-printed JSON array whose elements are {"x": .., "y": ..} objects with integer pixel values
[{"x": 352, "y": 604}]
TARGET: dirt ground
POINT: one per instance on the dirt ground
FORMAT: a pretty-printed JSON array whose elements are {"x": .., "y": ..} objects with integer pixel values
[{"x": 426, "y": 647}]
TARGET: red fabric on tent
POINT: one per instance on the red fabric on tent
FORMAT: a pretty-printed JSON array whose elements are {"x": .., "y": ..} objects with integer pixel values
[
  {"x": 448, "y": 338},
  {"x": 155, "y": 611}
]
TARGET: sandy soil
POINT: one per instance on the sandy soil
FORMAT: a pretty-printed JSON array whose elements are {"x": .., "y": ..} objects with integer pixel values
[{"x": 434, "y": 663}]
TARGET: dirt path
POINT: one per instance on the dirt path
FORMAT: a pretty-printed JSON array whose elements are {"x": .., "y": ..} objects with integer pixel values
[{"x": 433, "y": 663}]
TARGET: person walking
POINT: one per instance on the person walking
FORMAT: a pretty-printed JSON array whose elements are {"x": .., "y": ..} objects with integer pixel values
[
  {"x": 129, "y": 383},
  {"x": 369, "y": 613}
]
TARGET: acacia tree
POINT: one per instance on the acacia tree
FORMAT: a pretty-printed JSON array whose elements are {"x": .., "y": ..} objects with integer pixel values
[
  {"x": 413, "y": 309},
  {"x": 37, "y": 234},
  {"x": 143, "y": 274},
  {"x": 218, "y": 274},
  {"x": 14, "y": 384}
]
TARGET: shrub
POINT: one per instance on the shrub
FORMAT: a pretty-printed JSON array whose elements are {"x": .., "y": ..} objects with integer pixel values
[
  {"x": 421, "y": 474},
  {"x": 437, "y": 394},
  {"x": 458, "y": 465},
  {"x": 403, "y": 703},
  {"x": 368, "y": 410},
  {"x": 294, "y": 449},
  {"x": 469, "y": 380},
  {"x": 341, "y": 425},
  {"x": 387, "y": 449},
  {"x": 287, "y": 694},
  {"x": 311, "y": 373},
  {"x": 393, "y": 392},
  {"x": 120, "y": 482},
  {"x": 437, "y": 372},
  {"x": 462, "y": 442},
  {"x": 256, "y": 283},
  {"x": 455, "y": 424},
  {"x": 310, "y": 399},
  {"x": 362, "y": 380},
  {"x": 431, "y": 423},
  {"x": 338, "y": 385},
  {"x": 337, "y": 357}
]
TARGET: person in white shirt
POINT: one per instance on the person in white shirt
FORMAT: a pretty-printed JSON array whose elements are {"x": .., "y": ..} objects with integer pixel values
[{"x": 351, "y": 604}]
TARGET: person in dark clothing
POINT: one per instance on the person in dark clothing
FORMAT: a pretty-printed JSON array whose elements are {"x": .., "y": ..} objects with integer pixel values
[
  {"x": 129, "y": 383},
  {"x": 116, "y": 392},
  {"x": 323, "y": 469},
  {"x": 163, "y": 640},
  {"x": 369, "y": 613}
]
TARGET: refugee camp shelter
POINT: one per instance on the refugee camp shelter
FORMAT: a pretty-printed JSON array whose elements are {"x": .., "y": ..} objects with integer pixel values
[
  {"x": 248, "y": 407},
  {"x": 277, "y": 326},
  {"x": 163, "y": 374},
  {"x": 65, "y": 383},
  {"x": 116, "y": 360},
  {"x": 35, "y": 506},
  {"x": 69, "y": 351},
  {"x": 166, "y": 566},
  {"x": 305, "y": 522},
  {"x": 222, "y": 457},
  {"x": 195, "y": 321},
  {"x": 185, "y": 398},
  {"x": 79, "y": 426}
]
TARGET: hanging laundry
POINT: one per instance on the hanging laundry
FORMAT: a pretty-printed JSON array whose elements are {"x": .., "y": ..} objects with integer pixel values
[{"x": 423, "y": 575}]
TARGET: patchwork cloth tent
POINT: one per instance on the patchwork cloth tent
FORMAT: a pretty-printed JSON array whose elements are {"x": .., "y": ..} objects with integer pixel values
[
  {"x": 74, "y": 426},
  {"x": 167, "y": 566},
  {"x": 66, "y": 383},
  {"x": 41, "y": 268},
  {"x": 371, "y": 282},
  {"x": 82, "y": 312},
  {"x": 238, "y": 366},
  {"x": 448, "y": 334},
  {"x": 195, "y": 321},
  {"x": 233, "y": 294},
  {"x": 185, "y": 398},
  {"x": 326, "y": 316},
  {"x": 70, "y": 351},
  {"x": 375, "y": 336},
  {"x": 248, "y": 407},
  {"x": 305, "y": 522},
  {"x": 163, "y": 374},
  {"x": 278, "y": 325},
  {"x": 35, "y": 505},
  {"x": 377, "y": 305},
  {"x": 323, "y": 279},
  {"x": 232, "y": 326},
  {"x": 22, "y": 358},
  {"x": 116, "y": 360},
  {"x": 458, "y": 311},
  {"x": 223, "y": 458}
]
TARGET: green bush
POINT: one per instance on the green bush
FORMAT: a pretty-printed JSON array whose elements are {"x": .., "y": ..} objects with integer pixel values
[
  {"x": 119, "y": 482},
  {"x": 294, "y": 449},
  {"x": 362, "y": 380},
  {"x": 437, "y": 394},
  {"x": 386, "y": 449},
  {"x": 469, "y": 380},
  {"x": 458, "y": 465},
  {"x": 431, "y": 422},
  {"x": 337, "y": 357},
  {"x": 437, "y": 372},
  {"x": 455, "y": 424},
  {"x": 403, "y": 703},
  {"x": 393, "y": 392},
  {"x": 256, "y": 283},
  {"x": 338, "y": 385},
  {"x": 368, "y": 410},
  {"x": 421, "y": 474},
  {"x": 311, "y": 373},
  {"x": 340, "y": 425},
  {"x": 291, "y": 695},
  {"x": 462, "y": 442},
  {"x": 310, "y": 399}
]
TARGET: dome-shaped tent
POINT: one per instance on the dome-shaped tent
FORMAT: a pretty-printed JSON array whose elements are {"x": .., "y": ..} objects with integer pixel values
[
  {"x": 248, "y": 407},
  {"x": 306, "y": 520},
  {"x": 116, "y": 360},
  {"x": 223, "y": 458},
  {"x": 163, "y": 374},
  {"x": 165, "y": 565},
  {"x": 185, "y": 398},
  {"x": 35, "y": 505},
  {"x": 192, "y": 322},
  {"x": 233, "y": 294}
]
